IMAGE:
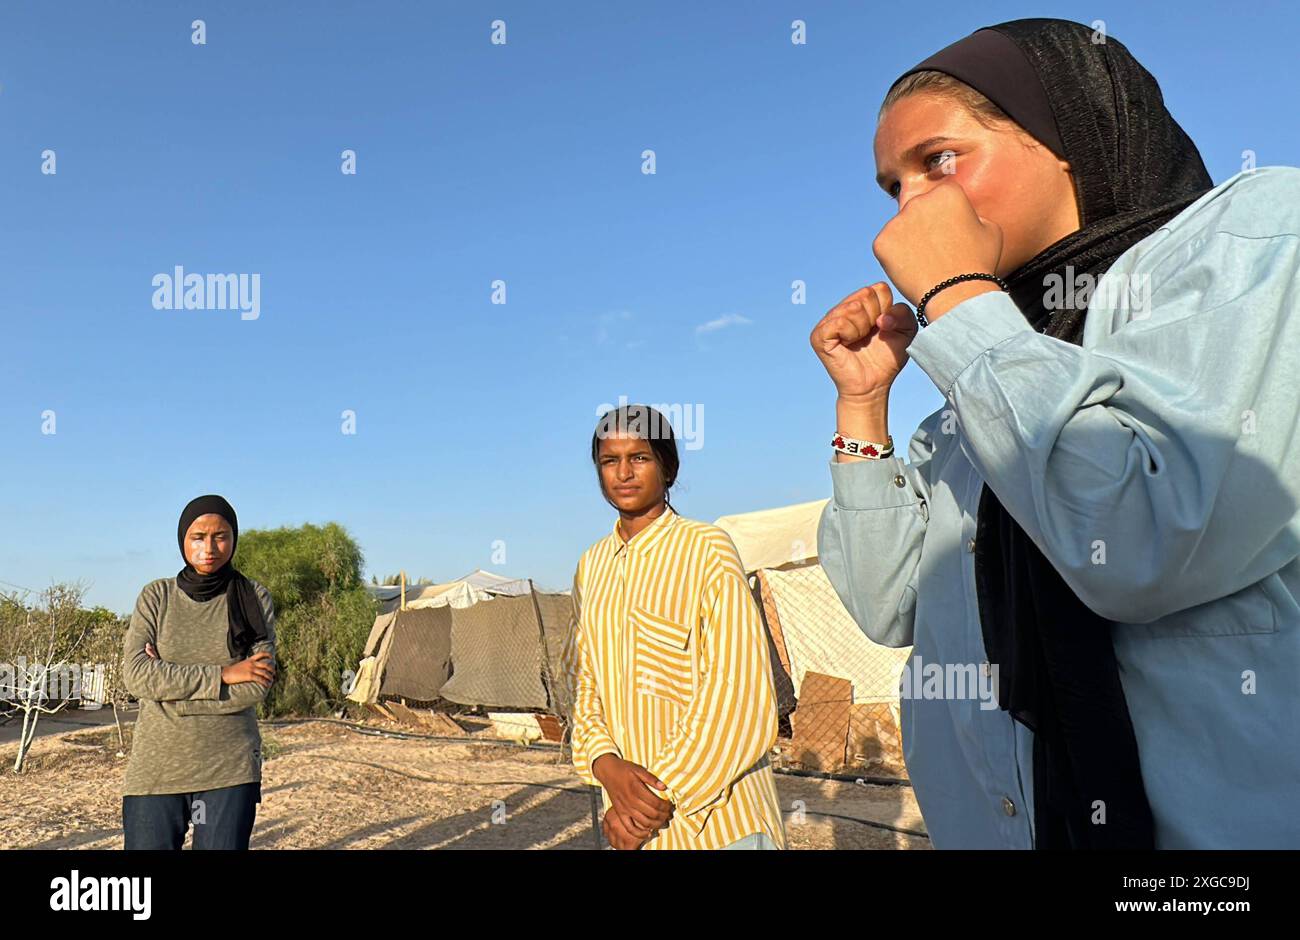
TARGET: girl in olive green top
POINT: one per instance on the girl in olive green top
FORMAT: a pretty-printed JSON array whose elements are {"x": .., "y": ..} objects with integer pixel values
[{"x": 199, "y": 655}]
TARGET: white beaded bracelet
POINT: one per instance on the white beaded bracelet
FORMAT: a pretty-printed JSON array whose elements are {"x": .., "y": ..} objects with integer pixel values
[{"x": 855, "y": 447}]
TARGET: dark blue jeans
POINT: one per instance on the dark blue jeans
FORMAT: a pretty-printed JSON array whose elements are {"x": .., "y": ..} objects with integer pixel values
[{"x": 222, "y": 818}]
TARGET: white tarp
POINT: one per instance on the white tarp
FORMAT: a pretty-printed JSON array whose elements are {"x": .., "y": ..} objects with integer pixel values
[
  {"x": 773, "y": 538},
  {"x": 516, "y": 726},
  {"x": 495, "y": 583},
  {"x": 456, "y": 594},
  {"x": 478, "y": 585}
]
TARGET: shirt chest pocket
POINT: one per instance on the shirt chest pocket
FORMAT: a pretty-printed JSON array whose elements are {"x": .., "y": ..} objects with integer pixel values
[
  {"x": 662, "y": 656},
  {"x": 1252, "y": 610}
]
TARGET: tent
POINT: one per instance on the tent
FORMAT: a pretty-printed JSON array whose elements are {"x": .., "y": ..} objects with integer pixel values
[
  {"x": 810, "y": 631},
  {"x": 407, "y": 655},
  {"x": 495, "y": 652},
  {"x": 775, "y": 538},
  {"x": 810, "y": 628},
  {"x": 820, "y": 636},
  {"x": 478, "y": 585}
]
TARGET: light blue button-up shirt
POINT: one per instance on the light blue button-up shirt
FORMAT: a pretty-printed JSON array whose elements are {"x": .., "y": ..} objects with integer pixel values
[{"x": 1157, "y": 466}]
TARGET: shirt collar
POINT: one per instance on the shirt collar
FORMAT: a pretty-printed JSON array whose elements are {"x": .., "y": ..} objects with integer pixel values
[{"x": 645, "y": 540}]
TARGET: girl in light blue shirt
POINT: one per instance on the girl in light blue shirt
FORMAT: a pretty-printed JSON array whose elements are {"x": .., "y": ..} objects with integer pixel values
[{"x": 1099, "y": 528}]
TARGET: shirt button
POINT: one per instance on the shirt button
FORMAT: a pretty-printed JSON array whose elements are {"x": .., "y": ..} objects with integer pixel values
[
  {"x": 900, "y": 480},
  {"x": 1008, "y": 807},
  {"x": 970, "y": 545}
]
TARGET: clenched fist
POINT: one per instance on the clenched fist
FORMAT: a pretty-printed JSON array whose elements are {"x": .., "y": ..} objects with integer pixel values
[
  {"x": 863, "y": 341},
  {"x": 935, "y": 236}
]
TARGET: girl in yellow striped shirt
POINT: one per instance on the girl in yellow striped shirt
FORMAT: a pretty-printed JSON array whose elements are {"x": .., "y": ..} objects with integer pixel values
[{"x": 674, "y": 706}]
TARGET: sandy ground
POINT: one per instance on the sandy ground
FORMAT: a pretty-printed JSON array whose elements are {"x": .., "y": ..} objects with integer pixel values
[
  {"x": 327, "y": 786},
  {"x": 69, "y": 719}
]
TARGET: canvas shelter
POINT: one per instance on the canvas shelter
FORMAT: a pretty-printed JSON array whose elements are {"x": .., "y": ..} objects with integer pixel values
[
  {"x": 810, "y": 630},
  {"x": 504, "y": 651},
  {"x": 478, "y": 585}
]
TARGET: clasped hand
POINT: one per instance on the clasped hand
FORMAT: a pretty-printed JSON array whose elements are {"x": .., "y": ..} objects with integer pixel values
[{"x": 636, "y": 813}]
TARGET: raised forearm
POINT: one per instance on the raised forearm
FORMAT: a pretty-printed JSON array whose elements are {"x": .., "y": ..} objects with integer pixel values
[{"x": 864, "y": 417}]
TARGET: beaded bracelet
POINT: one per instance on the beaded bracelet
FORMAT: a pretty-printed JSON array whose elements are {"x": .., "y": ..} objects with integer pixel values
[
  {"x": 920, "y": 308},
  {"x": 855, "y": 447}
]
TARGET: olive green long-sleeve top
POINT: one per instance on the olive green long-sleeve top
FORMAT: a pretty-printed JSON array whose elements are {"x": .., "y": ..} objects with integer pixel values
[{"x": 194, "y": 732}]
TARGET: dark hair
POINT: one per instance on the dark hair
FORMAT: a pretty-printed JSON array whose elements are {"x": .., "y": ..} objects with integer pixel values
[
  {"x": 941, "y": 83},
  {"x": 649, "y": 425}
]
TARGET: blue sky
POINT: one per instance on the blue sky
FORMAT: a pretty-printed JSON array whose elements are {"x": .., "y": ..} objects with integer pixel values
[{"x": 475, "y": 162}]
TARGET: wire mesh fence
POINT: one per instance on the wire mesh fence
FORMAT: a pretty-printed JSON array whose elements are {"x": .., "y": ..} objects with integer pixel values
[{"x": 840, "y": 686}]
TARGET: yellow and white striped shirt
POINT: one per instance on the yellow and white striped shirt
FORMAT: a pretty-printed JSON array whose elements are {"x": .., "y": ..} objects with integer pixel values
[{"x": 670, "y": 670}]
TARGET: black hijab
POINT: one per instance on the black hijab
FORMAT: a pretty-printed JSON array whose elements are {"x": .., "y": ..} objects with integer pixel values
[
  {"x": 1134, "y": 168},
  {"x": 243, "y": 609}
]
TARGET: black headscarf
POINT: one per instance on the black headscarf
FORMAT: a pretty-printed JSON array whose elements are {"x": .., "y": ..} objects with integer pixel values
[
  {"x": 243, "y": 609},
  {"x": 1134, "y": 168}
]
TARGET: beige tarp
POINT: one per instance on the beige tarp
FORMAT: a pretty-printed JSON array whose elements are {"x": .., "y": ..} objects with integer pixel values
[
  {"x": 377, "y": 631},
  {"x": 365, "y": 689}
]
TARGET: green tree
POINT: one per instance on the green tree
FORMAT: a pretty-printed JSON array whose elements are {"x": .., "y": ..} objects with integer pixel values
[
  {"x": 299, "y": 565},
  {"x": 323, "y": 611}
]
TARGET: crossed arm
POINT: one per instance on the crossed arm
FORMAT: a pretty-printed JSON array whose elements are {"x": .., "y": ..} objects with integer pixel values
[{"x": 190, "y": 688}]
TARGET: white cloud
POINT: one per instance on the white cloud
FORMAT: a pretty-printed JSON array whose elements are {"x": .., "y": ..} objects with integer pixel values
[{"x": 722, "y": 322}]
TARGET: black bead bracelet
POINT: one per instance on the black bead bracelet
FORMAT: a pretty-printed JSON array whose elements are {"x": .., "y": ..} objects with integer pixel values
[{"x": 920, "y": 308}]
